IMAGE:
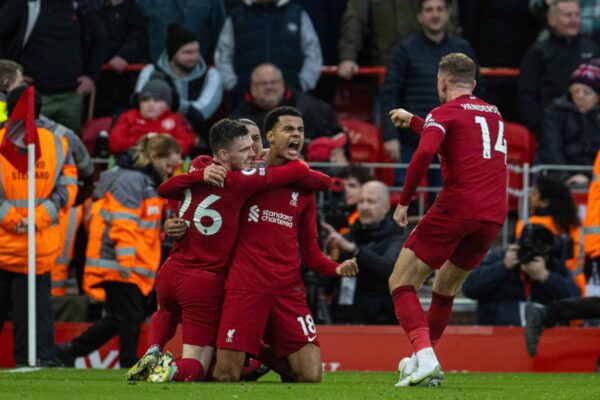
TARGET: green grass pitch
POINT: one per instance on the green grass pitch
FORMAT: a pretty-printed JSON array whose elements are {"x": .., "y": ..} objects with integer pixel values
[{"x": 111, "y": 384}]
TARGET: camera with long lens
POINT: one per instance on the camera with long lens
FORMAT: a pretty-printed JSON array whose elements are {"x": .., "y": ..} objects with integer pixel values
[
  {"x": 537, "y": 241},
  {"x": 335, "y": 210}
]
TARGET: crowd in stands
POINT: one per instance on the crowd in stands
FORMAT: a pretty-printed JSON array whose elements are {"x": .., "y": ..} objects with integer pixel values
[{"x": 208, "y": 59}]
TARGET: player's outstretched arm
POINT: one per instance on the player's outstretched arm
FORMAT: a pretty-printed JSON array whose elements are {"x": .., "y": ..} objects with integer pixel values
[
  {"x": 404, "y": 119},
  {"x": 258, "y": 179},
  {"x": 315, "y": 181},
  {"x": 175, "y": 187}
]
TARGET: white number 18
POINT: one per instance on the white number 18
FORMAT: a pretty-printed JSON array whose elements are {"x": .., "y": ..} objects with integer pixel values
[{"x": 485, "y": 137}]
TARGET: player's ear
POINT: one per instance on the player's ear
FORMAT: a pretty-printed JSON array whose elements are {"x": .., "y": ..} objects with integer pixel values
[
  {"x": 223, "y": 154},
  {"x": 270, "y": 137},
  {"x": 474, "y": 85}
]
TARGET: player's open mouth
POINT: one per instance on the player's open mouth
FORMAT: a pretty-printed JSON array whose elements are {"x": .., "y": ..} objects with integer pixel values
[{"x": 294, "y": 148}]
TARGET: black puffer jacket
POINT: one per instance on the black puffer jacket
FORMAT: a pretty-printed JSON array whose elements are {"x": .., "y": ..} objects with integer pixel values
[{"x": 568, "y": 136}]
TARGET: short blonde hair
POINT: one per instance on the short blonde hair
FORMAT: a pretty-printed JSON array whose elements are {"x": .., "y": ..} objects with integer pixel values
[
  {"x": 458, "y": 68},
  {"x": 154, "y": 145}
]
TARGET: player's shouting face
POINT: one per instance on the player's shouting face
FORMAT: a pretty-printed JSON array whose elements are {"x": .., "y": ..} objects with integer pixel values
[{"x": 287, "y": 137}]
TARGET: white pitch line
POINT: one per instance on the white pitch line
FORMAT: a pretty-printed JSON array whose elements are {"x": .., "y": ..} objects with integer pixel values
[{"x": 20, "y": 370}]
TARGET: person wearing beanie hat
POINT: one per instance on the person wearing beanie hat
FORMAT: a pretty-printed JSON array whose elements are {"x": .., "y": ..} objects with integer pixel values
[
  {"x": 157, "y": 89},
  {"x": 571, "y": 127},
  {"x": 177, "y": 37},
  {"x": 153, "y": 115},
  {"x": 199, "y": 89}
]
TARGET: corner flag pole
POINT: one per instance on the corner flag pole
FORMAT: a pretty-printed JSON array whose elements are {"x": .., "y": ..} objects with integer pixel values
[{"x": 31, "y": 309}]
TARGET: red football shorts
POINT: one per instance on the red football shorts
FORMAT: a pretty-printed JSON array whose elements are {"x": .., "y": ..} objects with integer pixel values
[
  {"x": 196, "y": 298},
  {"x": 283, "y": 322},
  {"x": 438, "y": 238}
]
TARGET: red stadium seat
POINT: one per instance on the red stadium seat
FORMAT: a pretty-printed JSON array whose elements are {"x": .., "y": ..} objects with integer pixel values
[
  {"x": 521, "y": 149},
  {"x": 366, "y": 145},
  {"x": 353, "y": 101},
  {"x": 92, "y": 128}
]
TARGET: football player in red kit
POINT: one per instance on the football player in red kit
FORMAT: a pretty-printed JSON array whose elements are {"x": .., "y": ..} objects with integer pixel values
[
  {"x": 264, "y": 292},
  {"x": 460, "y": 226},
  {"x": 189, "y": 285}
]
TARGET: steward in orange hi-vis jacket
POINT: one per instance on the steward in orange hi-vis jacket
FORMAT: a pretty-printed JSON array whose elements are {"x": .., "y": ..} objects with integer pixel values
[
  {"x": 55, "y": 190},
  {"x": 591, "y": 230},
  {"x": 123, "y": 252}
]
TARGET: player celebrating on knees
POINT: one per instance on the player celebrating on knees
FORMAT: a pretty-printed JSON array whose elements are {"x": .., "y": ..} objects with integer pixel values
[
  {"x": 190, "y": 283},
  {"x": 460, "y": 226},
  {"x": 264, "y": 292}
]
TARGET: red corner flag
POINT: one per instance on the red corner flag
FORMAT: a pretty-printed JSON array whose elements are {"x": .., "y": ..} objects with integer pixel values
[{"x": 21, "y": 131}]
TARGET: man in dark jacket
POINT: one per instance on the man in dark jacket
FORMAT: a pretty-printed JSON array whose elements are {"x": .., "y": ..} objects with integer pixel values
[
  {"x": 61, "y": 45},
  {"x": 503, "y": 284},
  {"x": 410, "y": 80},
  {"x": 548, "y": 64},
  {"x": 375, "y": 240},
  {"x": 269, "y": 90}
]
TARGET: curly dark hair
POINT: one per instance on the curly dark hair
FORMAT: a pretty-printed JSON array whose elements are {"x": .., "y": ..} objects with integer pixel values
[{"x": 560, "y": 203}]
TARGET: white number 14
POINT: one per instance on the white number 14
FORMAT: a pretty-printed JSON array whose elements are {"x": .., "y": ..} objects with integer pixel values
[{"x": 485, "y": 136}]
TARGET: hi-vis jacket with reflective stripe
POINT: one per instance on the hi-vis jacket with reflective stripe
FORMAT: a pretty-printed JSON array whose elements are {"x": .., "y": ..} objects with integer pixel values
[
  {"x": 574, "y": 264},
  {"x": 591, "y": 222},
  {"x": 55, "y": 190},
  {"x": 124, "y": 233}
]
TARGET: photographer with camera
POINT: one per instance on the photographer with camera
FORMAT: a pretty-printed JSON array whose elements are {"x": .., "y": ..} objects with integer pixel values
[
  {"x": 532, "y": 270},
  {"x": 375, "y": 240}
]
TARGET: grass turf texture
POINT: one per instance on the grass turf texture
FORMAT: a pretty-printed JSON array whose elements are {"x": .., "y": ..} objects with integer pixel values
[{"x": 111, "y": 384}]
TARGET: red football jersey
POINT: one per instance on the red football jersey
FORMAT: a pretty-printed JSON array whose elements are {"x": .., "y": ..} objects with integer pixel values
[
  {"x": 473, "y": 158},
  {"x": 213, "y": 213},
  {"x": 276, "y": 227}
]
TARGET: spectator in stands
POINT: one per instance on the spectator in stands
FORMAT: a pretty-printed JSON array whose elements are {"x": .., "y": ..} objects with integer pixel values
[
  {"x": 370, "y": 30},
  {"x": 127, "y": 44},
  {"x": 152, "y": 115},
  {"x": 354, "y": 177},
  {"x": 203, "y": 17},
  {"x": 326, "y": 16},
  {"x": 590, "y": 18},
  {"x": 268, "y": 31},
  {"x": 61, "y": 47},
  {"x": 123, "y": 252},
  {"x": 55, "y": 191},
  {"x": 548, "y": 64},
  {"x": 11, "y": 76},
  {"x": 503, "y": 283},
  {"x": 126, "y": 33},
  {"x": 500, "y": 31},
  {"x": 375, "y": 240},
  {"x": 551, "y": 205},
  {"x": 199, "y": 88},
  {"x": 269, "y": 90},
  {"x": 411, "y": 76},
  {"x": 571, "y": 125}
]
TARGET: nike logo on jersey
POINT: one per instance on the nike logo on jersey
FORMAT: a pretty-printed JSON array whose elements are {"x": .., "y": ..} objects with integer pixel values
[{"x": 312, "y": 338}]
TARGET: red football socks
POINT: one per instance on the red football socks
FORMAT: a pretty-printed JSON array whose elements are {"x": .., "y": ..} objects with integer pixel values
[
  {"x": 439, "y": 315},
  {"x": 188, "y": 370},
  {"x": 411, "y": 316},
  {"x": 162, "y": 328}
]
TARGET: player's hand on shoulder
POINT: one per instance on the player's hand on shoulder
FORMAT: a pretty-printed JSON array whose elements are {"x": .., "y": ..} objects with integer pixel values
[
  {"x": 347, "y": 268},
  {"x": 175, "y": 228},
  {"x": 400, "y": 118},
  {"x": 401, "y": 215},
  {"x": 214, "y": 175}
]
